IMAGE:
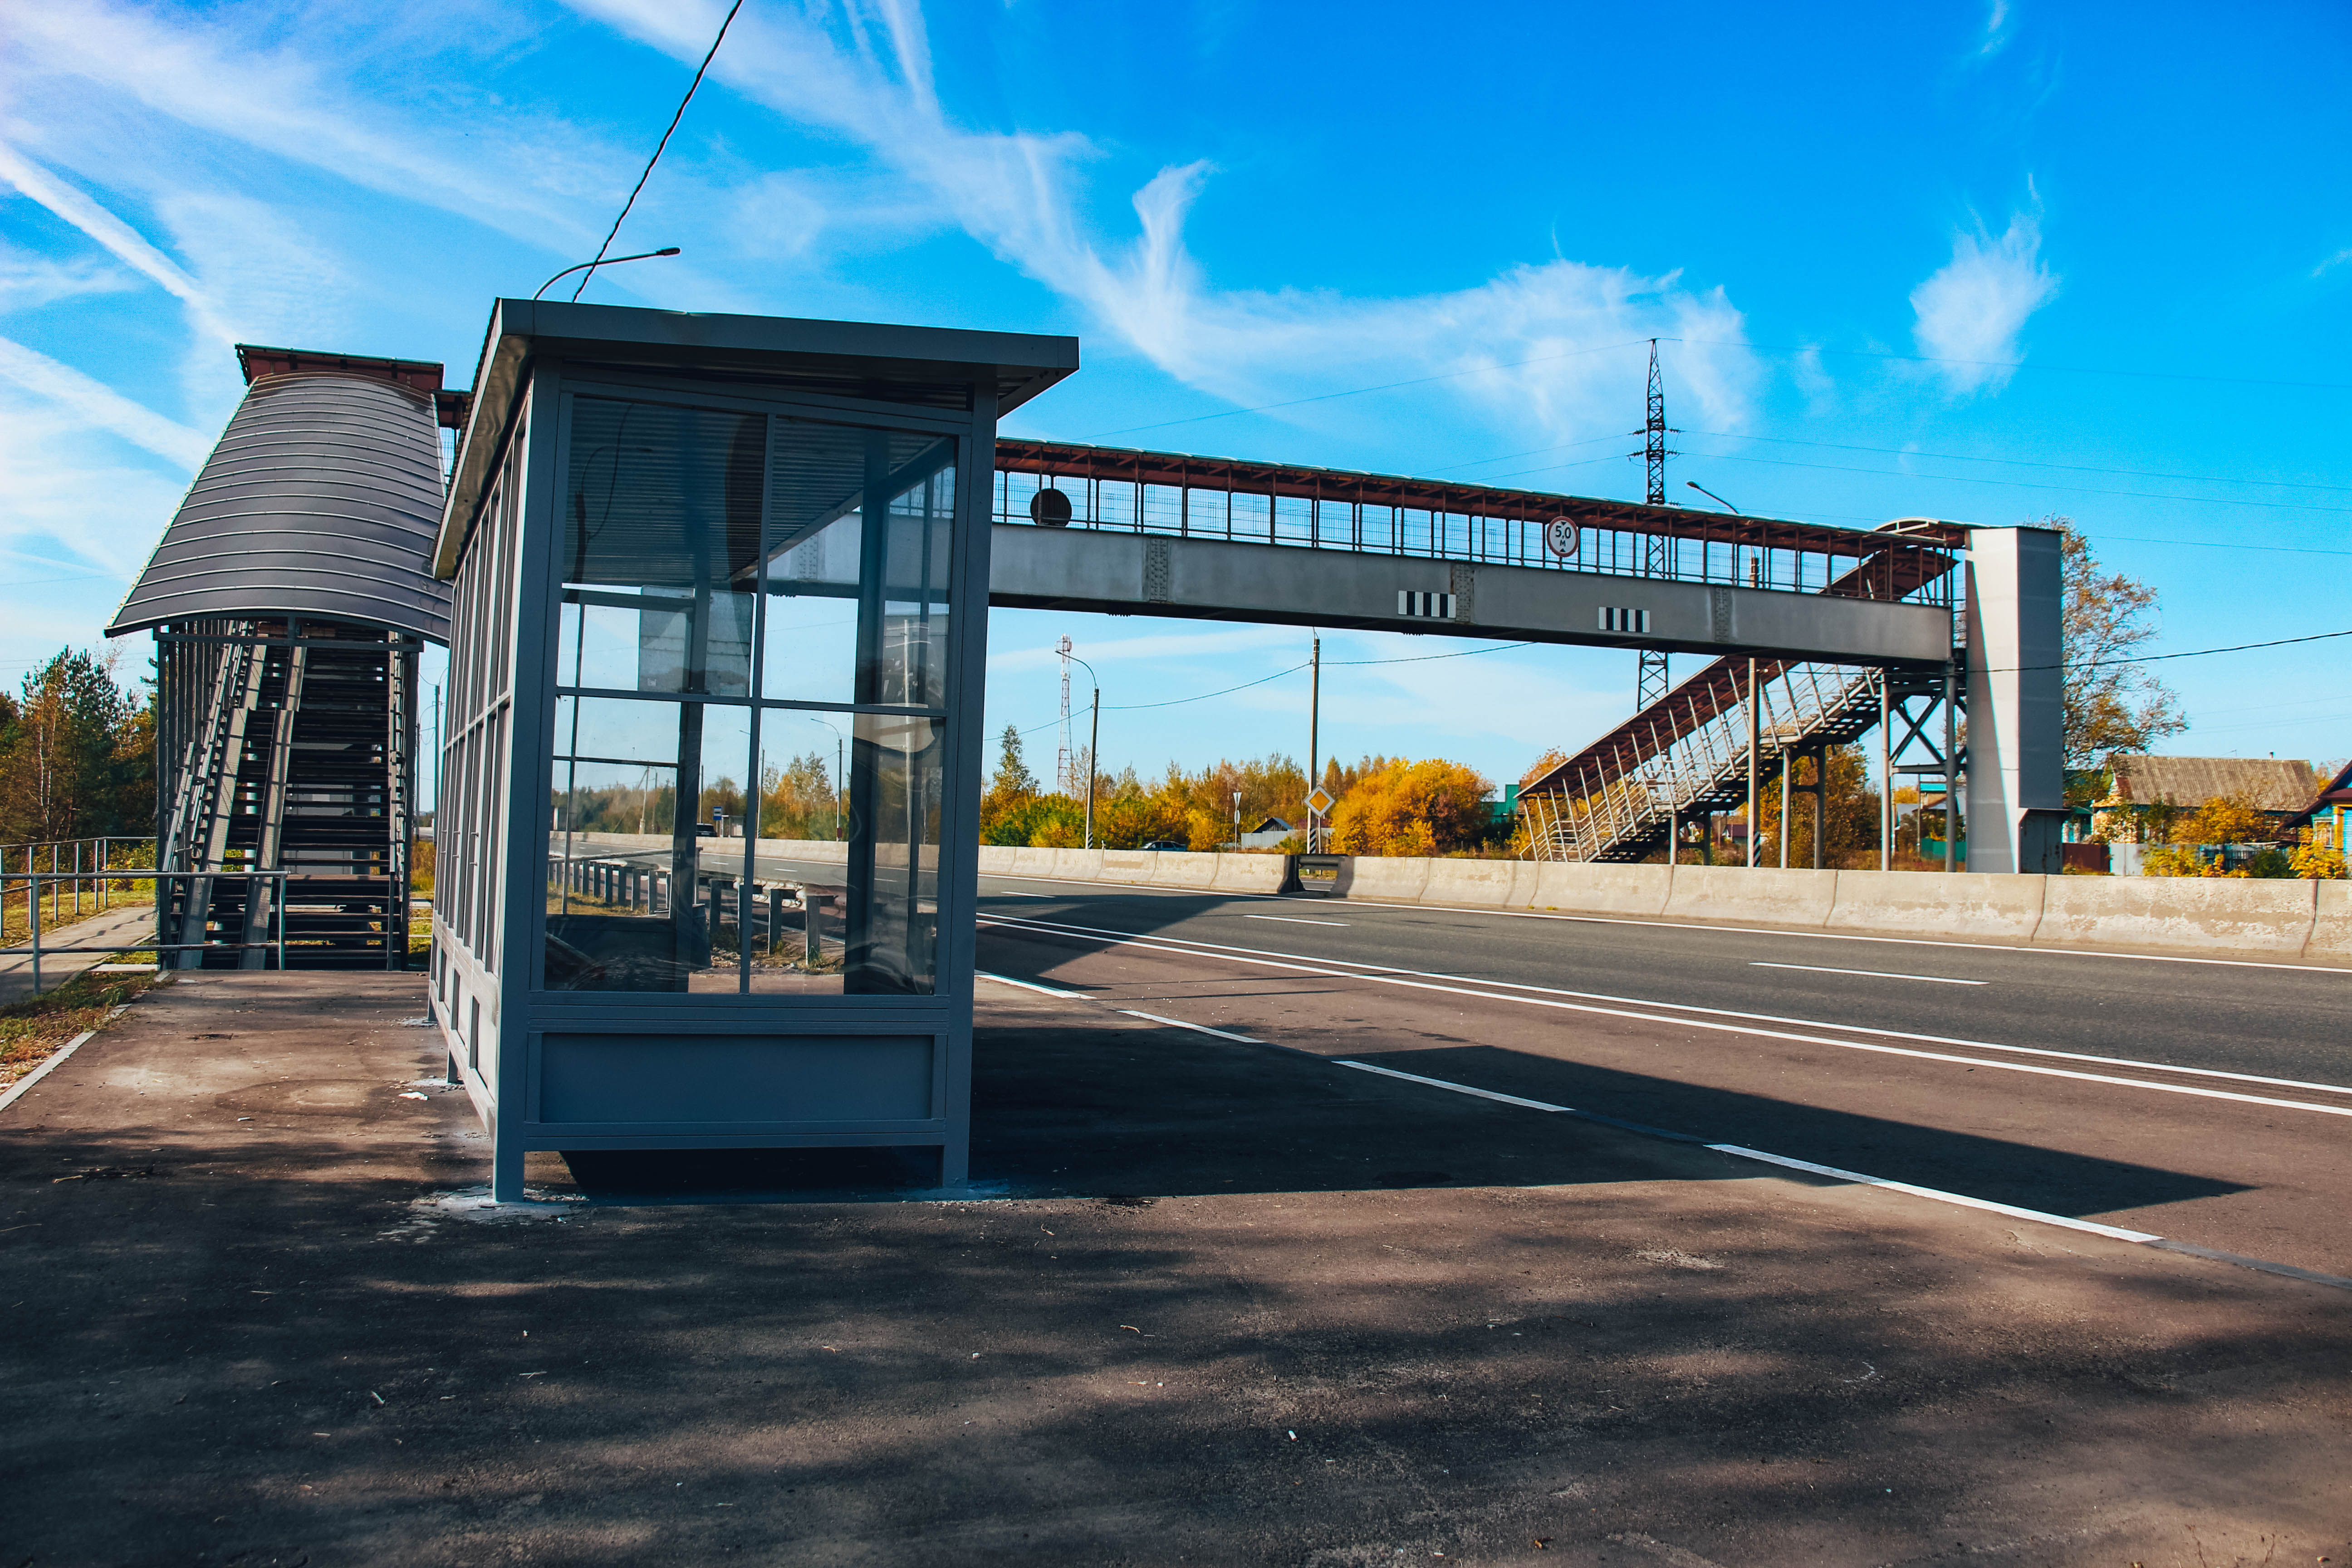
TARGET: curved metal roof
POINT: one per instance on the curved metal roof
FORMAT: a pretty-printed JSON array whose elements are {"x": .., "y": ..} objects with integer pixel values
[{"x": 321, "y": 498}]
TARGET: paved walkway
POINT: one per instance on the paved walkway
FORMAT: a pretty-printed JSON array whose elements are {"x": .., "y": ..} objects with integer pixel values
[{"x": 119, "y": 929}]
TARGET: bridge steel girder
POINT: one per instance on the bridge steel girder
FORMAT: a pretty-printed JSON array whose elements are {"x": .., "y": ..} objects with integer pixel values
[{"x": 1213, "y": 579}]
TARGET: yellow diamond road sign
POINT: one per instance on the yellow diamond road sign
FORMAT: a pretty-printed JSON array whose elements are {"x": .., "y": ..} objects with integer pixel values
[{"x": 1318, "y": 803}]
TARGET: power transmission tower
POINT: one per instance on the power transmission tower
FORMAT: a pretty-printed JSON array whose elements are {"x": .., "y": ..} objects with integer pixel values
[
  {"x": 1650, "y": 676},
  {"x": 1066, "y": 775}
]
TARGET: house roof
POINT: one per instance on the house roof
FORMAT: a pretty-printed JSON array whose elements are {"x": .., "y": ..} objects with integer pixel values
[
  {"x": 2268, "y": 783},
  {"x": 2332, "y": 793}
]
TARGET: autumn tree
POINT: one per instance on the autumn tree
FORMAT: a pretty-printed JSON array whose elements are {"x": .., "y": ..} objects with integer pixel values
[
  {"x": 797, "y": 800},
  {"x": 76, "y": 754},
  {"x": 2109, "y": 706},
  {"x": 1432, "y": 807},
  {"x": 1851, "y": 811}
]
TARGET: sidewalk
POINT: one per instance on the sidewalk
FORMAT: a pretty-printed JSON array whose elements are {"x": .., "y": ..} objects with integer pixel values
[{"x": 119, "y": 929}]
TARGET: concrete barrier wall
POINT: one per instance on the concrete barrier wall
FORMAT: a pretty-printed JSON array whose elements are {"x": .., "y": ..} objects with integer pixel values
[
  {"x": 2331, "y": 922},
  {"x": 1767, "y": 895},
  {"x": 1398, "y": 880},
  {"x": 1170, "y": 869},
  {"x": 1130, "y": 865},
  {"x": 2216, "y": 912},
  {"x": 1251, "y": 873},
  {"x": 1957, "y": 904},
  {"x": 1481, "y": 884},
  {"x": 2269, "y": 919},
  {"x": 1635, "y": 890},
  {"x": 1077, "y": 864}
]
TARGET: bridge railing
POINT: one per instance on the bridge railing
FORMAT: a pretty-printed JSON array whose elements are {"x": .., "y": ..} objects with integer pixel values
[
  {"x": 1116, "y": 491},
  {"x": 1607, "y": 805}
]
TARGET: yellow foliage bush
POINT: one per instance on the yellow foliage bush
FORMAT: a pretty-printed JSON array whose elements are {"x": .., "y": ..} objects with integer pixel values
[{"x": 1433, "y": 807}]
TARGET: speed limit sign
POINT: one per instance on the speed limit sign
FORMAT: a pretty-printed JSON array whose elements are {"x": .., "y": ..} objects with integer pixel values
[{"x": 1559, "y": 537}]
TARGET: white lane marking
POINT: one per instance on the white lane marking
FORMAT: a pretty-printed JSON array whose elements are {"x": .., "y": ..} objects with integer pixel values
[
  {"x": 2286, "y": 1270},
  {"x": 1740, "y": 930},
  {"x": 1015, "y": 893},
  {"x": 2012, "y": 1210},
  {"x": 1222, "y": 948},
  {"x": 1866, "y": 974},
  {"x": 2093, "y": 1227},
  {"x": 1456, "y": 1087},
  {"x": 1293, "y": 920},
  {"x": 1392, "y": 979},
  {"x": 1032, "y": 985},
  {"x": 1196, "y": 1028}
]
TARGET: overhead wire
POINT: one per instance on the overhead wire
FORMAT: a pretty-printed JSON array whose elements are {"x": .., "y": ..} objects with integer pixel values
[
  {"x": 2013, "y": 462},
  {"x": 712, "y": 54}
]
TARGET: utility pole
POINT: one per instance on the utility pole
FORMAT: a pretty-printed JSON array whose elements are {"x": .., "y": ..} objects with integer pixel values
[
  {"x": 1650, "y": 675},
  {"x": 1094, "y": 739}
]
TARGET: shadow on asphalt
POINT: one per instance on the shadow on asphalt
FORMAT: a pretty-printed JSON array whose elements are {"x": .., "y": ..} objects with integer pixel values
[
  {"x": 1216, "y": 1128},
  {"x": 1067, "y": 1104}
]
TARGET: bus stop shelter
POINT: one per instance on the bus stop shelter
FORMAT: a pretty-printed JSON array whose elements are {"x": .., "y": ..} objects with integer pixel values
[{"x": 689, "y": 552}]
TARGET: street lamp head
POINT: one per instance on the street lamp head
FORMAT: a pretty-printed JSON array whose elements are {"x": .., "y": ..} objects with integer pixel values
[{"x": 601, "y": 261}]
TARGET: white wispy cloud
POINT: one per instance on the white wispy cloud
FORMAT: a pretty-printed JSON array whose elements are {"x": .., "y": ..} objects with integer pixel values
[
  {"x": 100, "y": 408},
  {"x": 1971, "y": 309},
  {"x": 127, "y": 244},
  {"x": 2332, "y": 263},
  {"x": 249, "y": 77},
  {"x": 1998, "y": 23},
  {"x": 862, "y": 70},
  {"x": 28, "y": 281}
]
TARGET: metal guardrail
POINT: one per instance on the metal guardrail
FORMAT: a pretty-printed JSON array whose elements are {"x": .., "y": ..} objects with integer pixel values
[
  {"x": 92, "y": 855},
  {"x": 144, "y": 874}
]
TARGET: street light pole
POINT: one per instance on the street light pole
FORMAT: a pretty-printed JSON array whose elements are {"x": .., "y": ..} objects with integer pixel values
[
  {"x": 1313, "y": 741},
  {"x": 840, "y": 744},
  {"x": 1094, "y": 738}
]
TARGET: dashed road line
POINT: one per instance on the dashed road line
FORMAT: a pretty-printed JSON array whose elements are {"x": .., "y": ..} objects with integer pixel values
[
  {"x": 1866, "y": 974},
  {"x": 1196, "y": 1028},
  {"x": 1033, "y": 985},
  {"x": 1395, "y": 978}
]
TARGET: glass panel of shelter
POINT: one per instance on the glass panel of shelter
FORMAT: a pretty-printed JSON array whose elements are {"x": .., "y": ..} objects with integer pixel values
[{"x": 672, "y": 572}]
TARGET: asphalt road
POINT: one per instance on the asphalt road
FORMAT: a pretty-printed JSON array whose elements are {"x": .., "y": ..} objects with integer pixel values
[
  {"x": 1280, "y": 1312},
  {"x": 2206, "y": 1102}
]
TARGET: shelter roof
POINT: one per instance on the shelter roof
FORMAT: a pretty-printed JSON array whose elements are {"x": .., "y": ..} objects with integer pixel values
[
  {"x": 2268, "y": 783},
  {"x": 913, "y": 367},
  {"x": 319, "y": 499}
]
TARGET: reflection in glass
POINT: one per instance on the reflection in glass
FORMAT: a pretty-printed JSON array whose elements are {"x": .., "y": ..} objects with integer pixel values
[
  {"x": 894, "y": 780},
  {"x": 641, "y": 895},
  {"x": 661, "y": 548},
  {"x": 801, "y": 865},
  {"x": 858, "y": 614}
]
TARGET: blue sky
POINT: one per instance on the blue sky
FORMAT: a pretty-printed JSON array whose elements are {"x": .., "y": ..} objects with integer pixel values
[{"x": 1979, "y": 262}]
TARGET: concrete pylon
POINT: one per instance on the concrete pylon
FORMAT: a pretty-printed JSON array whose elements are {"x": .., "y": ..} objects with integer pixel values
[{"x": 2016, "y": 777}]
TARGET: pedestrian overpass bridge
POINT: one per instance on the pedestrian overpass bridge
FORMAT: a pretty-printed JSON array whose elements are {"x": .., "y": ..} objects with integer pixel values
[{"x": 1815, "y": 634}]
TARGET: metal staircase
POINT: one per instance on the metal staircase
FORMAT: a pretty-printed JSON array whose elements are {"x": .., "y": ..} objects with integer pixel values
[
  {"x": 1686, "y": 755},
  {"x": 299, "y": 761}
]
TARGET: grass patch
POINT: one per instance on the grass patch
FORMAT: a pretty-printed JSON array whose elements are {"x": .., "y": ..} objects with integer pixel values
[
  {"x": 32, "y": 1031},
  {"x": 16, "y": 925}
]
